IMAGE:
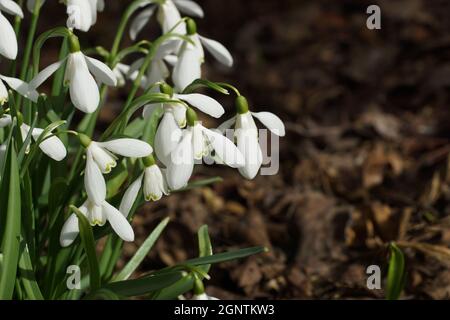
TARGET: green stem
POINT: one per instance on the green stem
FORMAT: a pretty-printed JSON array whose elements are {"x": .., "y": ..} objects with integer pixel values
[{"x": 29, "y": 45}]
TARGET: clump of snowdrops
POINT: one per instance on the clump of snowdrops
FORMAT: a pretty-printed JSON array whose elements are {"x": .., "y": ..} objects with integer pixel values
[{"x": 65, "y": 186}]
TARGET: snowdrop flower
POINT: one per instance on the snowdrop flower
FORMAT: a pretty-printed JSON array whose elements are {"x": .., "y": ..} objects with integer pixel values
[
  {"x": 8, "y": 39},
  {"x": 168, "y": 15},
  {"x": 96, "y": 215},
  {"x": 174, "y": 118},
  {"x": 197, "y": 141},
  {"x": 82, "y": 14},
  {"x": 18, "y": 85},
  {"x": 102, "y": 153},
  {"x": 155, "y": 186},
  {"x": 83, "y": 88},
  {"x": 122, "y": 71},
  {"x": 246, "y": 134},
  {"x": 192, "y": 56},
  {"x": 52, "y": 147}
]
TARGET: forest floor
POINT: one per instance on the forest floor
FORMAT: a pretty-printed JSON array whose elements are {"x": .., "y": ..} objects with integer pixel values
[{"x": 365, "y": 160}]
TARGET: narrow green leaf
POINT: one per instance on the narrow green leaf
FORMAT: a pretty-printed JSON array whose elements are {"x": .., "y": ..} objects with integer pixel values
[
  {"x": 11, "y": 234},
  {"x": 87, "y": 238},
  {"x": 139, "y": 256},
  {"x": 27, "y": 274},
  {"x": 396, "y": 273},
  {"x": 144, "y": 285},
  {"x": 204, "y": 245},
  {"x": 202, "y": 83}
]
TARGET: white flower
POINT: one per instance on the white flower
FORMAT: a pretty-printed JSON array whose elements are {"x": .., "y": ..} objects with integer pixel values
[
  {"x": 174, "y": 118},
  {"x": 247, "y": 136},
  {"x": 121, "y": 72},
  {"x": 103, "y": 152},
  {"x": 97, "y": 214},
  {"x": 196, "y": 142},
  {"x": 82, "y": 14},
  {"x": 155, "y": 186},
  {"x": 168, "y": 15},
  {"x": 52, "y": 147},
  {"x": 191, "y": 57},
  {"x": 203, "y": 296},
  {"x": 18, "y": 85},
  {"x": 84, "y": 91},
  {"x": 8, "y": 39}
]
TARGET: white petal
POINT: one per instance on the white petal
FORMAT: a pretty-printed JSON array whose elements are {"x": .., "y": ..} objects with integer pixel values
[
  {"x": 272, "y": 122},
  {"x": 101, "y": 71},
  {"x": 69, "y": 231},
  {"x": 5, "y": 121},
  {"x": 153, "y": 183},
  {"x": 188, "y": 67},
  {"x": 189, "y": 7},
  {"x": 169, "y": 16},
  {"x": 247, "y": 143},
  {"x": 93, "y": 180},
  {"x": 167, "y": 137},
  {"x": 198, "y": 142},
  {"x": 171, "y": 59},
  {"x": 3, "y": 93},
  {"x": 22, "y": 87},
  {"x": 181, "y": 163},
  {"x": 45, "y": 74},
  {"x": 128, "y": 147},
  {"x": 140, "y": 21},
  {"x": 227, "y": 124},
  {"x": 218, "y": 50},
  {"x": 83, "y": 88},
  {"x": 130, "y": 196},
  {"x": 11, "y": 7},
  {"x": 79, "y": 15},
  {"x": 8, "y": 40},
  {"x": 118, "y": 222},
  {"x": 179, "y": 113},
  {"x": 203, "y": 103},
  {"x": 149, "y": 109},
  {"x": 157, "y": 72},
  {"x": 53, "y": 146},
  {"x": 104, "y": 159},
  {"x": 225, "y": 149}
]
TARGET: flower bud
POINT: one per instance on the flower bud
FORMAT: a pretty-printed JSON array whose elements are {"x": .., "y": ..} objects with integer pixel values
[
  {"x": 165, "y": 88},
  {"x": 74, "y": 44},
  {"x": 191, "y": 27},
  {"x": 84, "y": 140},
  {"x": 241, "y": 105},
  {"x": 191, "y": 117},
  {"x": 149, "y": 161}
]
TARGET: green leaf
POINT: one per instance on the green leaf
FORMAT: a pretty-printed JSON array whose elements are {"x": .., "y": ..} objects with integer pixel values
[
  {"x": 396, "y": 273},
  {"x": 139, "y": 256},
  {"x": 199, "y": 184},
  {"x": 202, "y": 83},
  {"x": 56, "y": 32},
  {"x": 11, "y": 234},
  {"x": 27, "y": 274},
  {"x": 144, "y": 285},
  {"x": 187, "y": 282},
  {"x": 204, "y": 244},
  {"x": 87, "y": 238},
  {"x": 103, "y": 294}
]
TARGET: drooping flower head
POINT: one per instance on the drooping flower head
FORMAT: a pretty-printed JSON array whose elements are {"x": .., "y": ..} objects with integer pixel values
[
  {"x": 8, "y": 39},
  {"x": 247, "y": 136},
  {"x": 83, "y": 88}
]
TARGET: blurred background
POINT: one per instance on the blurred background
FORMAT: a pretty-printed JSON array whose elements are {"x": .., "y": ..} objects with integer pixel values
[{"x": 364, "y": 162}]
